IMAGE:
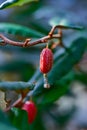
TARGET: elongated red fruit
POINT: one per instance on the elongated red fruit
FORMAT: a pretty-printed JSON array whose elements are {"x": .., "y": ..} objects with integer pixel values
[
  {"x": 31, "y": 109},
  {"x": 46, "y": 60}
]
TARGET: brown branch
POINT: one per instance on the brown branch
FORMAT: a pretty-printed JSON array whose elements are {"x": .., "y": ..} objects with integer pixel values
[
  {"x": 27, "y": 43},
  {"x": 18, "y": 103},
  {"x": 59, "y": 27},
  {"x": 8, "y": 41}
]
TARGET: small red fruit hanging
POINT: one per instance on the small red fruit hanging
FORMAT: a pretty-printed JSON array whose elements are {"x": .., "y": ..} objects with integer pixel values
[
  {"x": 46, "y": 61},
  {"x": 31, "y": 109}
]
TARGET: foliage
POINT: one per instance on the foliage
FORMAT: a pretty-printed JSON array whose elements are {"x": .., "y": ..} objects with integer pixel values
[
  {"x": 24, "y": 63},
  {"x": 12, "y": 3}
]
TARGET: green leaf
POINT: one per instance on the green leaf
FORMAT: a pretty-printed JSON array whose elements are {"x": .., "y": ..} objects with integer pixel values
[
  {"x": 19, "y": 119},
  {"x": 6, "y": 127},
  {"x": 72, "y": 57},
  {"x": 81, "y": 77},
  {"x": 16, "y": 29},
  {"x": 52, "y": 94},
  {"x": 12, "y": 3},
  {"x": 58, "y": 89},
  {"x": 64, "y": 23},
  {"x": 4, "y": 122},
  {"x": 62, "y": 66},
  {"x": 38, "y": 122}
]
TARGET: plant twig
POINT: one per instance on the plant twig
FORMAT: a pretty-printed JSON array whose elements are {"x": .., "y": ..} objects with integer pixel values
[
  {"x": 56, "y": 27},
  {"x": 18, "y": 103},
  {"x": 27, "y": 43}
]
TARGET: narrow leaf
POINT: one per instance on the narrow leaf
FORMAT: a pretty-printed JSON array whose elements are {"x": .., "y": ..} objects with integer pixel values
[
  {"x": 12, "y": 3},
  {"x": 4, "y": 122},
  {"x": 64, "y": 23},
  {"x": 57, "y": 90},
  {"x": 19, "y": 119},
  {"x": 65, "y": 64},
  {"x": 16, "y": 29}
]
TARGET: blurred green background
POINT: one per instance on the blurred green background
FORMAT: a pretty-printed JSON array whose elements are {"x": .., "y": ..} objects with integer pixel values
[{"x": 66, "y": 111}]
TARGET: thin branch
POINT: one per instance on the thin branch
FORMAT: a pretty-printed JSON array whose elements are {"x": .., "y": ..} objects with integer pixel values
[
  {"x": 59, "y": 27},
  {"x": 27, "y": 43},
  {"x": 18, "y": 103},
  {"x": 8, "y": 41}
]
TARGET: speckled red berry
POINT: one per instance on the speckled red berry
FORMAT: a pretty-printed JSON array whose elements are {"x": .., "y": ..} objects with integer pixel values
[
  {"x": 46, "y": 60},
  {"x": 31, "y": 109}
]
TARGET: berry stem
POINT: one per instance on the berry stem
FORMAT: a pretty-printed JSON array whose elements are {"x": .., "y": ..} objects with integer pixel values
[
  {"x": 46, "y": 84},
  {"x": 47, "y": 45}
]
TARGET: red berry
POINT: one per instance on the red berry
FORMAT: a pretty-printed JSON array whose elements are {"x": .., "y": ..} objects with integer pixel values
[
  {"x": 31, "y": 109},
  {"x": 46, "y": 60}
]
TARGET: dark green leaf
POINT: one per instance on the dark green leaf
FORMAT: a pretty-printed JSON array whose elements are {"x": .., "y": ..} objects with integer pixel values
[
  {"x": 64, "y": 23},
  {"x": 52, "y": 94},
  {"x": 59, "y": 88},
  {"x": 16, "y": 29},
  {"x": 12, "y": 3},
  {"x": 81, "y": 77},
  {"x": 4, "y": 122},
  {"x": 19, "y": 119},
  {"x": 72, "y": 57},
  {"x": 38, "y": 122}
]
